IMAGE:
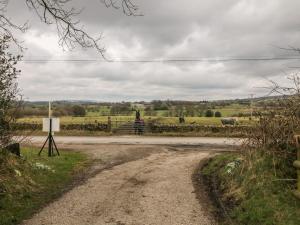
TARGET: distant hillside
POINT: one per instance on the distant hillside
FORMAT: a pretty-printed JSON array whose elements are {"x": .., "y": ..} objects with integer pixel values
[{"x": 169, "y": 102}]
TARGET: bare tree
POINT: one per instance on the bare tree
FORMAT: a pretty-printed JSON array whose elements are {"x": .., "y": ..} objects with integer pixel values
[{"x": 57, "y": 12}]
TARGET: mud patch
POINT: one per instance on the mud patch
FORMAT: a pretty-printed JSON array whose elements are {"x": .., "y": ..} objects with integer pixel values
[
  {"x": 207, "y": 190},
  {"x": 203, "y": 193}
]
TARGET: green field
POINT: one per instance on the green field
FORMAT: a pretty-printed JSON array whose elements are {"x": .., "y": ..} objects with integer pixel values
[
  {"x": 226, "y": 111},
  {"x": 117, "y": 119},
  {"x": 234, "y": 109}
]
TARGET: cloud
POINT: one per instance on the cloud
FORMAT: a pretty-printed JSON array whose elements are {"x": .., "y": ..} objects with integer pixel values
[{"x": 169, "y": 29}]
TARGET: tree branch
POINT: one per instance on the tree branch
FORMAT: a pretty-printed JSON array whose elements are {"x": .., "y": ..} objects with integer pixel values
[
  {"x": 56, "y": 12},
  {"x": 7, "y": 26}
]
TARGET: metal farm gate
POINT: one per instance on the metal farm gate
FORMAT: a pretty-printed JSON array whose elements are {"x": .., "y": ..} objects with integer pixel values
[{"x": 130, "y": 127}]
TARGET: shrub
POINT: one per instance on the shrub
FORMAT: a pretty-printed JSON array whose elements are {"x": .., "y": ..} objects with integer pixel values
[
  {"x": 276, "y": 128},
  {"x": 209, "y": 113},
  {"x": 8, "y": 90},
  {"x": 78, "y": 110},
  {"x": 218, "y": 114}
]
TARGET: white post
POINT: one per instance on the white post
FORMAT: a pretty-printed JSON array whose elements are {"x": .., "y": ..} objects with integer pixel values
[{"x": 50, "y": 112}]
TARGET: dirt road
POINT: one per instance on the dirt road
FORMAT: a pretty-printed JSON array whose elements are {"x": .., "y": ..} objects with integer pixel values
[
  {"x": 145, "y": 140},
  {"x": 133, "y": 185}
]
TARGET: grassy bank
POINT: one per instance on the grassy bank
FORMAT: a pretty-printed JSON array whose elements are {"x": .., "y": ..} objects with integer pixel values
[
  {"x": 29, "y": 183},
  {"x": 252, "y": 192}
]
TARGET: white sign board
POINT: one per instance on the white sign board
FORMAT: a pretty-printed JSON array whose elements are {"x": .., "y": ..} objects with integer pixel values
[{"x": 55, "y": 124}]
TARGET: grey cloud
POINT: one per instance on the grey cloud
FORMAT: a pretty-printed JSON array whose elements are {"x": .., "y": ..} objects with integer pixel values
[{"x": 169, "y": 29}]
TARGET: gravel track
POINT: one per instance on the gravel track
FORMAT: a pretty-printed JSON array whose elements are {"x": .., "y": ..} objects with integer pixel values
[{"x": 144, "y": 185}]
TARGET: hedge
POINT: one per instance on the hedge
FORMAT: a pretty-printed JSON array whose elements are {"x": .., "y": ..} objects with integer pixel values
[{"x": 151, "y": 127}]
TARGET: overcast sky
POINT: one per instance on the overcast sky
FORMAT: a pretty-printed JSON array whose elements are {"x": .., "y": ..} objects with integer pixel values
[{"x": 169, "y": 29}]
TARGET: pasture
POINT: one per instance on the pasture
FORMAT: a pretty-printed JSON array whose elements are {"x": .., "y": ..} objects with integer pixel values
[
  {"x": 160, "y": 117},
  {"x": 213, "y": 121}
]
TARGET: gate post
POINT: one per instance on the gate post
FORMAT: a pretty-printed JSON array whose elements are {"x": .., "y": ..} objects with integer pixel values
[
  {"x": 297, "y": 166},
  {"x": 109, "y": 124}
]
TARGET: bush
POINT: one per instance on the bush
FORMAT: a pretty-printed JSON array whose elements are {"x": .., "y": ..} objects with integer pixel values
[
  {"x": 78, "y": 110},
  {"x": 123, "y": 108},
  {"x": 8, "y": 90},
  {"x": 209, "y": 113},
  {"x": 159, "y": 105},
  {"x": 218, "y": 114}
]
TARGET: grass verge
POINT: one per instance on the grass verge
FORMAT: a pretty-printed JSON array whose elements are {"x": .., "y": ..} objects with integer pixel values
[
  {"x": 251, "y": 192},
  {"x": 29, "y": 183}
]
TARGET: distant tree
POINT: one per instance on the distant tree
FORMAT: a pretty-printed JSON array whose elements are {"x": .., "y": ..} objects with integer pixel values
[
  {"x": 200, "y": 113},
  {"x": 160, "y": 105},
  {"x": 178, "y": 110},
  {"x": 78, "y": 110},
  {"x": 201, "y": 108},
  {"x": 123, "y": 108},
  {"x": 26, "y": 111},
  {"x": 149, "y": 111},
  {"x": 218, "y": 114},
  {"x": 209, "y": 113},
  {"x": 190, "y": 110}
]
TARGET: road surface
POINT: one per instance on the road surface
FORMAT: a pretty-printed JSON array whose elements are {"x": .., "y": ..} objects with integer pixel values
[
  {"x": 140, "y": 184},
  {"x": 145, "y": 140}
]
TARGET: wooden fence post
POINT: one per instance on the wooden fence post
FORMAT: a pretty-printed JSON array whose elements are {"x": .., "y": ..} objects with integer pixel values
[
  {"x": 109, "y": 124},
  {"x": 297, "y": 165}
]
